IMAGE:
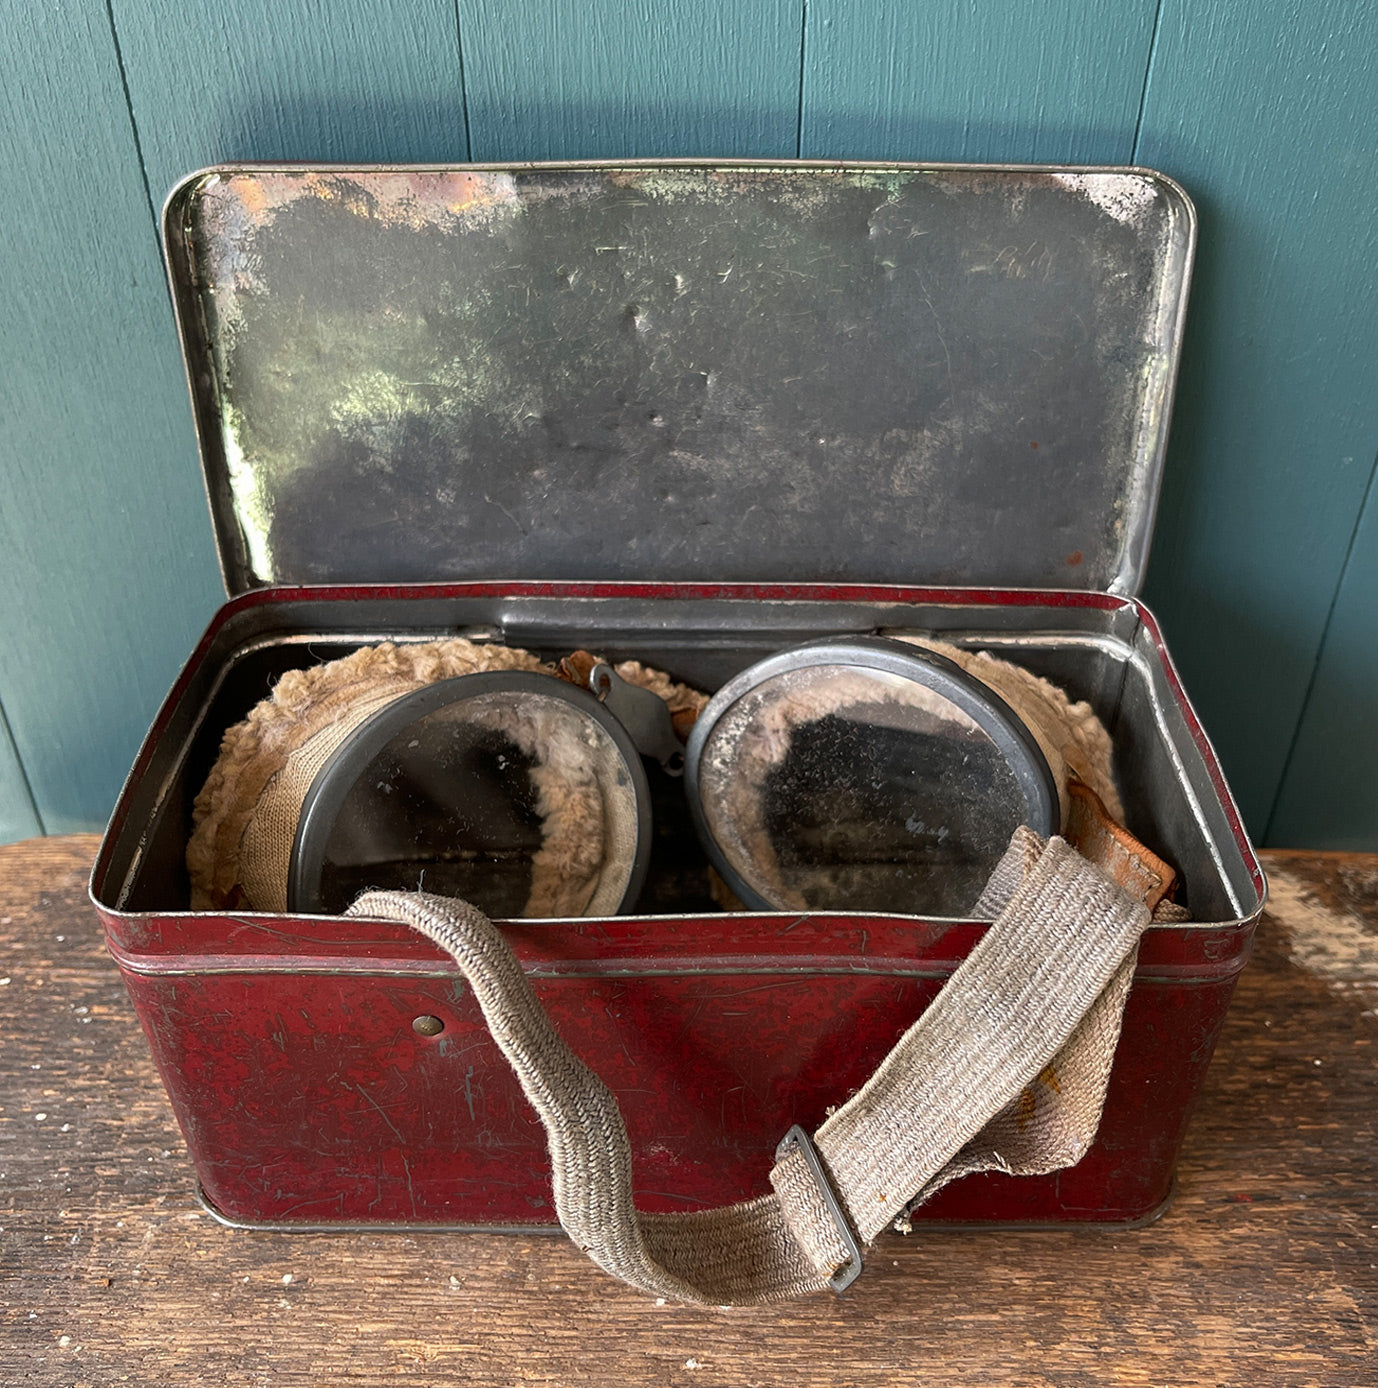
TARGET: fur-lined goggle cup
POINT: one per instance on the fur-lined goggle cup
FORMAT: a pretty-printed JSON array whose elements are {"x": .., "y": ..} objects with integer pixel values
[
  {"x": 864, "y": 774},
  {"x": 875, "y": 773},
  {"x": 500, "y": 788}
]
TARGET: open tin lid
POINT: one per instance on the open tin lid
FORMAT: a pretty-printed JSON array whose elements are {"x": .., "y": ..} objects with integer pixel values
[{"x": 692, "y": 371}]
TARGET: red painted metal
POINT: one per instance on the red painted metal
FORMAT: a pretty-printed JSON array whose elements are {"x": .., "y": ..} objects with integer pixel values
[{"x": 306, "y": 1095}]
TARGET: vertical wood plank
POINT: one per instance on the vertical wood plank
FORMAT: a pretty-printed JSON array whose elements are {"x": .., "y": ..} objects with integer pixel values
[
  {"x": 108, "y": 571},
  {"x": 1267, "y": 115},
  {"x": 1000, "y": 82},
  {"x": 1329, "y": 795},
  {"x": 591, "y": 79},
  {"x": 111, "y": 571},
  {"x": 351, "y": 81},
  {"x": 18, "y": 816}
]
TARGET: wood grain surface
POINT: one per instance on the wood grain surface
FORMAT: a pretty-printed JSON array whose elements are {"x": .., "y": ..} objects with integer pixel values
[{"x": 1263, "y": 1272}]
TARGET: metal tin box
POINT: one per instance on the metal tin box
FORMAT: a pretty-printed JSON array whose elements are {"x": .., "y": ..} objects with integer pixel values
[{"x": 691, "y": 414}]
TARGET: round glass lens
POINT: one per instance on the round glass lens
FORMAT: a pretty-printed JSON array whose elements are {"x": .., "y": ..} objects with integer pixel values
[
  {"x": 516, "y": 801},
  {"x": 839, "y": 787}
]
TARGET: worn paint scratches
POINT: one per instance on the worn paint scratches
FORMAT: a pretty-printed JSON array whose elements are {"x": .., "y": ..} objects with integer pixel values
[
  {"x": 1125, "y": 197},
  {"x": 252, "y": 496},
  {"x": 405, "y": 197},
  {"x": 1335, "y": 946},
  {"x": 725, "y": 184}
]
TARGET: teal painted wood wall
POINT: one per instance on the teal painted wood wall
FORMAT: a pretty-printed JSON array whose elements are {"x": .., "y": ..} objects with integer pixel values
[{"x": 1265, "y": 567}]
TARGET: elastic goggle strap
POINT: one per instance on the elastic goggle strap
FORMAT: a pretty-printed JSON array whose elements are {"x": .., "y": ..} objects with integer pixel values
[{"x": 1006, "y": 1070}]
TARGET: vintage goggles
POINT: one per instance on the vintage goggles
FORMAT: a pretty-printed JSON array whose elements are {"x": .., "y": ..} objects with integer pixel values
[{"x": 856, "y": 773}]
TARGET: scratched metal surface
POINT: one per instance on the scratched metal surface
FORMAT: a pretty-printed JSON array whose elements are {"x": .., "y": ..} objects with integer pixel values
[{"x": 693, "y": 372}]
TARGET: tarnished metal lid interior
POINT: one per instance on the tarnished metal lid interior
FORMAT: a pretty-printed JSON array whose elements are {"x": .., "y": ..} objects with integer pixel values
[{"x": 712, "y": 372}]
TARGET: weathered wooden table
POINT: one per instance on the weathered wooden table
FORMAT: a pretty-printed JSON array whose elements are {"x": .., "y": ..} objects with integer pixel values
[{"x": 1264, "y": 1270}]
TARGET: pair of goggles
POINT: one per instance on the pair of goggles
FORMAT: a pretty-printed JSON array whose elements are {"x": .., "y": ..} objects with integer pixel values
[{"x": 861, "y": 773}]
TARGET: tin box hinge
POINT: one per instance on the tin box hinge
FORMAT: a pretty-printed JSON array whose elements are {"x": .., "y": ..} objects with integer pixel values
[{"x": 797, "y": 1138}]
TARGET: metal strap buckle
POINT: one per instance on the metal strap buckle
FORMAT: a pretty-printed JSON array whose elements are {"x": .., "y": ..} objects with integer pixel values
[{"x": 850, "y": 1270}]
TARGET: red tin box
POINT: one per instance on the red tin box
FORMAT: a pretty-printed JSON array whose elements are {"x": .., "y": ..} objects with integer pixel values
[{"x": 695, "y": 413}]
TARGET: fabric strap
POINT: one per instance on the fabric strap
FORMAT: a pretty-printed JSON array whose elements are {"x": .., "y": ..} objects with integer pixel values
[{"x": 1006, "y": 1069}]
